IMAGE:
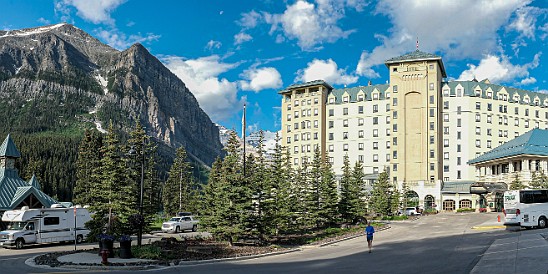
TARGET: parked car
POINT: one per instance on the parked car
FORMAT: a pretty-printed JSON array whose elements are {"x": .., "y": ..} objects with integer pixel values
[
  {"x": 180, "y": 224},
  {"x": 411, "y": 211}
]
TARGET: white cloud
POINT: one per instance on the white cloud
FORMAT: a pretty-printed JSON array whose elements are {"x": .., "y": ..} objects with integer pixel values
[
  {"x": 250, "y": 19},
  {"x": 241, "y": 37},
  {"x": 44, "y": 21},
  {"x": 528, "y": 81},
  {"x": 525, "y": 21},
  {"x": 327, "y": 71},
  {"x": 310, "y": 24},
  {"x": 217, "y": 96},
  {"x": 500, "y": 70},
  {"x": 212, "y": 44},
  {"x": 258, "y": 79},
  {"x": 544, "y": 31},
  {"x": 463, "y": 29},
  {"x": 97, "y": 11},
  {"x": 121, "y": 41}
]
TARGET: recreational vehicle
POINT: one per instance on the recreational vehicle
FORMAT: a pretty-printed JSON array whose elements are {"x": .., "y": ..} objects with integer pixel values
[{"x": 45, "y": 225}]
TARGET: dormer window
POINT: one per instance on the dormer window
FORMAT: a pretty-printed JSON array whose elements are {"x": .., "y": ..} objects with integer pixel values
[
  {"x": 332, "y": 100},
  {"x": 360, "y": 98},
  {"x": 375, "y": 96},
  {"x": 345, "y": 99},
  {"x": 489, "y": 95}
]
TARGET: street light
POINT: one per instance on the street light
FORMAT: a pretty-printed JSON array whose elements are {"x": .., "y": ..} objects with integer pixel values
[{"x": 132, "y": 151}]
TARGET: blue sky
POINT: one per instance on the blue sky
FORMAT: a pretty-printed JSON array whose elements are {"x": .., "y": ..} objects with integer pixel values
[{"x": 244, "y": 51}]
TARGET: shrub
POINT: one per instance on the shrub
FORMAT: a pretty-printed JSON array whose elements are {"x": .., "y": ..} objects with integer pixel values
[
  {"x": 466, "y": 210},
  {"x": 147, "y": 252}
]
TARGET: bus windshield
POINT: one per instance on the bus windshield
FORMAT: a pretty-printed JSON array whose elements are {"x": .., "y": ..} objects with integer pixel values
[
  {"x": 17, "y": 225},
  {"x": 533, "y": 196}
]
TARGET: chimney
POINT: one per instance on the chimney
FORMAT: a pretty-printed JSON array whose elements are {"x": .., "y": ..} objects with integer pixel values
[{"x": 369, "y": 82}]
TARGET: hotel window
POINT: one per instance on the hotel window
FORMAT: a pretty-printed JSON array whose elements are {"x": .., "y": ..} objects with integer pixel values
[
  {"x": 537, "y": 113},
  {"x": 489, "y": 95},
  {"x": 331, "y": 124},
  {"x": 395, "y": 141},
  {"x": 375, "y": 157},
  {"x": 387, "y": 144},
  {"x": 345, "y": 99},
  {"x": 388, "y": 157},
  {"x": 308, "y": 112},
  {"x": 332, "y": 100},
  {"x": 431, "y": 86},
  {"x": 431, "y": 67},
  {"x": 315, "y": 123},
  {"x": 432, "y": 154},
  {"x": 516, "y": 122},
  {"x": 331, "y": 112},
  {"x": 387, "y": 107},
  {"x": 432, "y": 113},
  {"x": 288, "y": 117},
  {"x": 296, "y": 149},
  {"x": 375, "y": 133},
  {"x": 489, "y": 119},
  {"x": 506, "y": 133},
  {"x": 360, "y": 122},
  {"x": 459, "y": 135},
  {"x": 360, "y": 97},
  {"x": 489, "y": 131},
  {"x": 395, "y": 154},
  {"x": 387, "y": 119},
  {"x": 375, "y": 108},
  {"x": 505, "y": 120},
  {"x": 289, "y": 107},
  {"x": 446, "y": 117},
  {"x": 500, "y": 120},
  {"x": 375, "y": 170},
  {"x": 459, "y": 122},
  {"x": 394, "y": 129},
  {"x": 395, "y": 88},
  {"x": 345, "y": 123},
  {"x": 360, "y": 134},
  {"x": 445, "y": 130},
  {"x": 446, "y": 179},
  {"x": 527, "y": 112},
  {"x": 394, "y": 101},
  {"x": 315, "y": 100},
  {"x": 345, "y": 135},
  {"x": 458, "y": 148},
  {"x": 459, "y": 92},
  {"x": 303, "y": 125},
  {"x": 445, "y": 142},
  {"x": 331, "y": 160},
  {"x": 477, "y": 92},
  {"x": 289, "y": 140},
  {"x": 331, "y": 136},
  {"x": 315, "y": 136},
  {"x": 375, "y": 96},
  {"x": 307, "y": 148},
  {"x": 375, "y": 145},
  {"x": 459, "y": 174},
  {"x": 288, "y": 128},
  {"x": 345, "y": 111},
  {"x": 296, "y": 102},
  {"x": 296, "y": 161},
  {"x": 360, "y": 109},
  {"x": 488, "y": 143},
  {"x": 431, "y": 139},
  {"x": 360, "y": 146},
  {"x": 395, "y": 115},
  {"x": 516, "y": 110},
  {"x": 459, "y": 109},
  {"x": 458, "y": 161},
  {"x": 478, "y": 117},
  {"x": 345, "y": 147},
  {"x": 431, "y": 125},
  {"x": 445, "y": 168},
  {"x": 360, "y": 158},
  {"x": 446, "y": 155},
  {"x": 478, "y": 105},
  {"x": 446, "y": 93},
  {"x": 387, "y": 132},
  {"x": 431, "y": 99},
  {"x": 303, "y": 103},
  {"x": 387, "y": 95},
  {"x": 526, "y": 123},
  {"x": 478, "y": 143},
  {"x": 307, "y": 124},
  {"x": 432, "y": 166},
  {"x": 489, "y": 106},
  {"x": 536, "y": 125},
  {"x": 446, "y": 105},
  {"x": 500, "y": 133},
  {"x": 315, "y": 112},
  {"x": 375, "y": 120}
]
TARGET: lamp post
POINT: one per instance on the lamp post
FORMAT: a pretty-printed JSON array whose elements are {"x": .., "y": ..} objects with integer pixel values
[{"x": 132, "y": 151}]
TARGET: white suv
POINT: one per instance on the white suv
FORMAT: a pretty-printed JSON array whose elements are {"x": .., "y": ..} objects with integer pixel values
[
  {"x": 180, "y": 224},
  {"x": 410, "y": 211}
]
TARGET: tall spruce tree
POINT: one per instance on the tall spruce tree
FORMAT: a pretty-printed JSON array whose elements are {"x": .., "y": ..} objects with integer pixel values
[
  {"x": 539, "y": 180},
  {"x": 215, "y": 202},
  {"x": 347, "y": 200},
  {"x": 177, "y": 194},
  {"x": 517, "y": 184},
  {"x": 382, "y": 195},
  {"x": 359, "y": 193},
  {"x": 329, "y": 196},
  {"x": 87, "y": 180}
]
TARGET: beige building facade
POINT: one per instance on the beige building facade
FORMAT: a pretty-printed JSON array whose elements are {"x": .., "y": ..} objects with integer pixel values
[{"x": 420, "y": 127}]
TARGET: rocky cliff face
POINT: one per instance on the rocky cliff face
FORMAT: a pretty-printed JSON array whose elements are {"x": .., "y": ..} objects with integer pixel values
[{"x": 61, "y": 66}]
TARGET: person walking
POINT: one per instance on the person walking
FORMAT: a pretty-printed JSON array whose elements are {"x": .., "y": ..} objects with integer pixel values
[{"x": 369, "y": 230}]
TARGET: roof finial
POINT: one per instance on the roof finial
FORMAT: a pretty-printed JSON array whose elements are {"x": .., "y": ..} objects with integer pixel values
[{"x": 417, "y": 43}]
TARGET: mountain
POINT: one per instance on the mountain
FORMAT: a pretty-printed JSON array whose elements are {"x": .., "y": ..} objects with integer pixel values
[{"x": 60, "y": 79}]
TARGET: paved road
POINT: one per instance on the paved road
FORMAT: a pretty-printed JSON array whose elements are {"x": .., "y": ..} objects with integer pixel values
[{"x": 443, "y": 243}]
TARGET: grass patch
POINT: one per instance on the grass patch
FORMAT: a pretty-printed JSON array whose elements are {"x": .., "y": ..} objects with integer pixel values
[
  {"x": 151, "y": 252},
  {"x": 395, "y": 218},
  {"x": 466, "y": 210}
]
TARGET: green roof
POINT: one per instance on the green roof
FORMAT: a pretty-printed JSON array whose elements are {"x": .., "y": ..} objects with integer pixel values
[
  {"x": 469, "y": 87},
  {"x": 34, "y": 182},
  {"x": 307, "y": 84},
  {"x": 461, "y": 187},
  {"x": 533, "y": 142},
  {"x": 8, "y": 148},
  {"x": 353, "y": 93},
  {"x": 13, "y": 190},
  {"x": 417, "y": 55}
]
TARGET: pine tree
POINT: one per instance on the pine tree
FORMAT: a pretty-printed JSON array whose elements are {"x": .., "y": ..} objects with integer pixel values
[
  {"x": 539, "y": 180},
  {"x": 359, "y": 192},
  {"x": 87, "y": 179},
  {"x": 215, "y": 203},
  {"x": 517, "y": 184},
  {"x": 329, "y": 197},
  {"x": 382, "y": 196},
  {"x": 178, "y": 187},
  {"x": 347, "y": 194}
]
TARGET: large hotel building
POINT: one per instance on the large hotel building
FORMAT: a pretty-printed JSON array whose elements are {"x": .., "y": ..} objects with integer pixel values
[{"x": 420, "y": 127}]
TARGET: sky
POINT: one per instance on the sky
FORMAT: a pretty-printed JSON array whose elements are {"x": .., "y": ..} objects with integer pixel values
[{"x": 235, "y": 52}]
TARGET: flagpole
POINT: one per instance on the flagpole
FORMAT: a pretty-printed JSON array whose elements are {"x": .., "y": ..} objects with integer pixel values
[{"x": 243, "y": 133}]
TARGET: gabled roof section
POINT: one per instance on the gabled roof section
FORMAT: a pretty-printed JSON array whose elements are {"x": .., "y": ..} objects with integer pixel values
[
  {"x": 533, "y": 142},
  {"x": 353, "y": 92},
  {"x": 34, "y": 182},
  {"x": 23, "y": 192},
  {"x": 307, "y": 84},
  {"x": 11, "y": 185},
  {"x": 417, "y": 55},
  {"x": 8, "y": 148},
  {"x": 469, "y": 88}
]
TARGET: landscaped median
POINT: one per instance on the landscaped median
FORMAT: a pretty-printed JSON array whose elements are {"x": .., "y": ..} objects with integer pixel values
[{"x": 172, "y": 251}]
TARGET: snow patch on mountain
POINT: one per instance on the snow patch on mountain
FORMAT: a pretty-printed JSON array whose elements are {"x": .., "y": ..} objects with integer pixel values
[{"x": 26, "y": 32}]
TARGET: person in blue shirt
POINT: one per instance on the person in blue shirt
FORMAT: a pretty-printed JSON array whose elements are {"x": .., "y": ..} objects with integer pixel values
[{"x": 369, "y": 230}]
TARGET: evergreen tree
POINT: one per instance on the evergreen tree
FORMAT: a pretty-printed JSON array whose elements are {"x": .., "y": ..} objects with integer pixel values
[
  {"x": 359, "y": 195},
  {"x": 539, "y": 180},
  {"x": 178, "y": 187},
  {"x": 87, "y": 179},
  {"x": 517, "y": 184},
  {"x": 382, "y": 195},
  {"x": 215, "y": 203},
  {"x": 347, "y": 200},
  {"x": 328, "y": 189}
]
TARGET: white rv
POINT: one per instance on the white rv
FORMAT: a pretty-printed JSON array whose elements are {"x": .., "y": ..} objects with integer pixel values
[{"x": 45, "y": 225}]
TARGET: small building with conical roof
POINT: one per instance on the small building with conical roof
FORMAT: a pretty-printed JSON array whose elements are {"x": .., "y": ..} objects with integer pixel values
[{"x": 14, "y": 191}]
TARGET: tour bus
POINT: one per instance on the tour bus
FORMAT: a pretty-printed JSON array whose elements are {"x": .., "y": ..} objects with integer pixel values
[
  {"x": 526, "y": 208},
  {"x": 44, "y": 225}
]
